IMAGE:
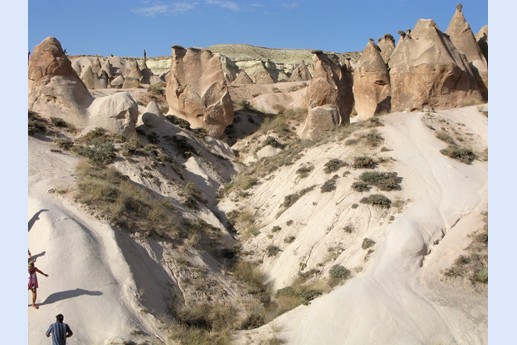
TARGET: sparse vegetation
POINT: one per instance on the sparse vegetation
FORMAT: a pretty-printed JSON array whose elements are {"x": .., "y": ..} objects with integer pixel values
[
  {"x": 461, "y": 154},
  {"x": 367, "y": 243},
  {"x": 329, "y": 185},
  {"x": 334, "y": 165},
  {"x": 377, "y": 200},
  {"x": 37, "y": 124},
  {"x": 473, "y": 264},
  {"x": 364, "y": 162},
  {"x": 360, "y": 186},
  {"x": 338, "y": 274},
  {"x": 304, "y": 170},
  {"x": 385, "y": 181},
  {"x": 123, "y": 203},
  {"x": 97, "y": 146},
  {"x": 290, "y": 199},
  {"x": 289, "y": 239},
  {"x": 272, "y": 250}
]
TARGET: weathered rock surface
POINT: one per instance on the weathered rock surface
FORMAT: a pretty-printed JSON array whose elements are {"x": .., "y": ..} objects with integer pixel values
[
  {"x": 242, "y": 78},
  {"x": 386, "y": 45},
  {"x": 371, "y": 83},
  {"x": 426, "y": 70},
  {"x": 329, "y": 96},
  {"x": 116, "y": 113},
  {"x": 301, "y": 73},
  {"x": 55, "y": 89},
  {"x": 463, "y": 39},
  {"x": 197, "y": 90},
  {"x": 482, "y": 39},
  {"x": 133, "y": 76}
]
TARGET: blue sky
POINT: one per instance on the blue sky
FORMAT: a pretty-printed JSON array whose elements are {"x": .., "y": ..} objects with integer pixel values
[{"x": 127, "y": 27}]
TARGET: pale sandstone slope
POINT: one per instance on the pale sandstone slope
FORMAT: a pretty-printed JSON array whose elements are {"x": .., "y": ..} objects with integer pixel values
[{"x": 399, "y": 295}]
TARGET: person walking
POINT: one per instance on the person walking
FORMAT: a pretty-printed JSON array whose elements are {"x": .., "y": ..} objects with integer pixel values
[
  {"x": 33, "y": 282},
  {"x": 59, "y": 330}
]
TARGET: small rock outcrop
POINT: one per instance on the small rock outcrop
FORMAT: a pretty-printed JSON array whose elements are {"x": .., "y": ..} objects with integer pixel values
[
  {"x": 133, "y": 76},
  {"x": 300, "y": 73},
  {"x": 55, "y": 89},
  {"x": 371, "y": 83},
  {"x": 426, "y": 70},
  {"x": 242, "y": 78},
  {"x": 463, "y": 39},
  {"x": 329, "y": 96},
  {"x": 116, "y": 113},
  {"x": 197, "y": 90},
  {"x": 386, "y": 45}
]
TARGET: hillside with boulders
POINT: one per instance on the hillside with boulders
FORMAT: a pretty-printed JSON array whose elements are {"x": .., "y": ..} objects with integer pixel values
[{"x": 247, "y": 195}]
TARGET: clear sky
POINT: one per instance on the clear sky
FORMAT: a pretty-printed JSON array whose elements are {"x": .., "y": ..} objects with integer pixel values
[{"x": 127, "y": 27}]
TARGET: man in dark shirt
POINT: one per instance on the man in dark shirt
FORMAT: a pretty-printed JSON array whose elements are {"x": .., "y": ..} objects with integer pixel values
[{"x": 59, "y": 330}]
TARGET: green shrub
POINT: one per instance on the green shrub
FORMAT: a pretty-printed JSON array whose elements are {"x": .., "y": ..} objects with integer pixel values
[
  {"x": 36, "y": 123},
  {"x": 338, "y": 271},
  {"x": 272, "y": 250},
  {"x": 444, "y": 136},
  {"x": 367, "y": 243},
  {"x": 377, "y": 200},
  {"x": 271, "y": 141},
  {"x": 373, "y": 139},
  {"x": 461, "y": 154},
  {"x": 289, "y": 239},
  {"x": 304, "y": 170},
  {"x": 64, "y": 143},
  {"x": 56, "y": 121},
  {"x": 329, "y": 185},
  {"x": 360, "y": 186},
  {"x": 364, "y": 162},
  {"x": 276, "y": 228},
  {"x": 354, "y": 205},
  {"x": 338, "y": 274},
  {"x": 385, "y": 181},
  {"x": 333, "y": 165},
  {"x": 178, "y": 122},
  {"x": 97, "y": 151}
]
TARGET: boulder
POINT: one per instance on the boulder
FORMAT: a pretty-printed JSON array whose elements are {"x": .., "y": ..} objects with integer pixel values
[
  {"x": 300, "y": 73},
  {"x": 329, "y": 96},
  {"x": 463, "y": 39},
  {"x": 426, "y": 70},
  {"x": 371, "y": 83},
  {"x": 116, "y": 113},
  {"x": 197, "y": 90},
  {"x": 54, "y": 87},
  {"x": 117, "y": 82},
  {"x": 386, "y": 45}
]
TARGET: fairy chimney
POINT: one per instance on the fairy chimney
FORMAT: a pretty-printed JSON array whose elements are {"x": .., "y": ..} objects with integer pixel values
[
  {"x": 371, "y": 83},
  {"x": 197, "y": 90}
]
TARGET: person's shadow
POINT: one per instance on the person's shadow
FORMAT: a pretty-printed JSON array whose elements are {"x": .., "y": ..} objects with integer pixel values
[
  {"x": 59, "y": 296},
  {"x": 35, "y": 218}
]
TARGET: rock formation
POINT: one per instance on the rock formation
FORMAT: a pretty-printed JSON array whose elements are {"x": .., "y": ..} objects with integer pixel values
[
  {"x": 133, "y": 76},
  {"x": 242, "y": 78},
  {"x": 482, "y": 39},
  {"x": 116, "y": 113},
  {"x": 197, "y": 90},
  {"x": 329, "y": 96},
  {"x": 371, "y": 83},
  {"x": 427, "y": 70},
  {"x": 463, "y": 39},
  {"x": 386, "y": 45},
  {"x": 55, "y": 89},
  {"x": 301, "y": 73}
]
